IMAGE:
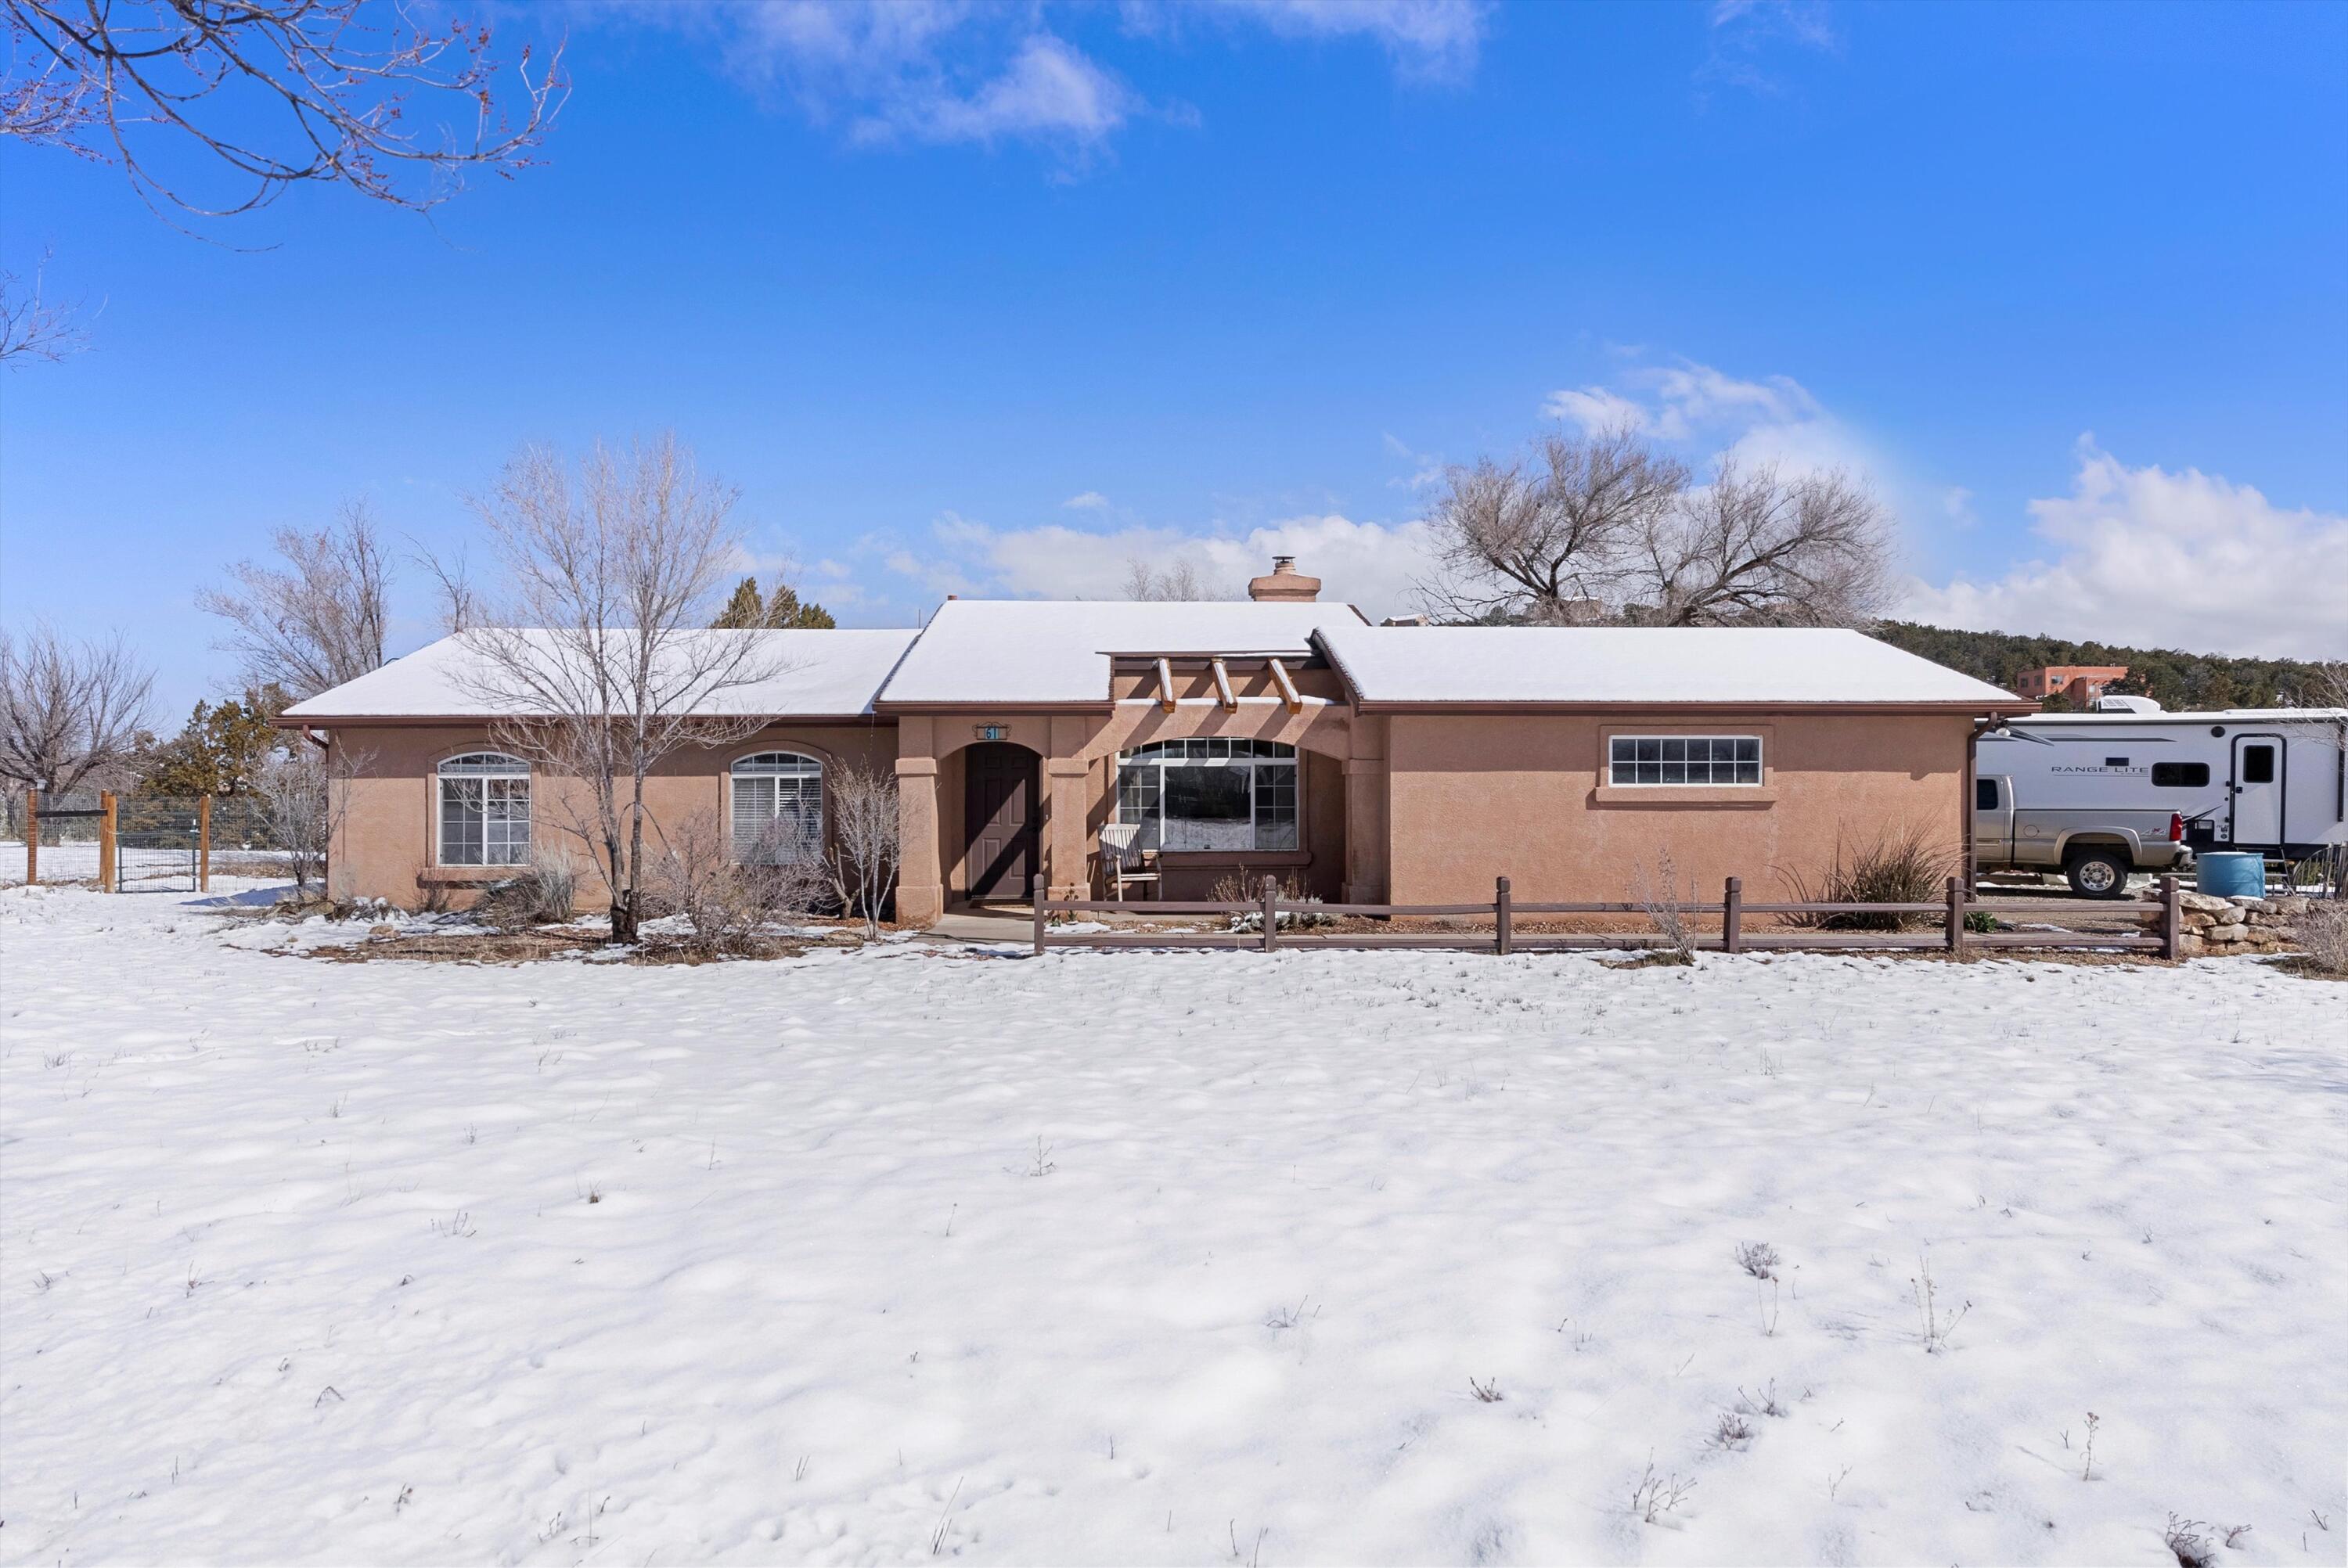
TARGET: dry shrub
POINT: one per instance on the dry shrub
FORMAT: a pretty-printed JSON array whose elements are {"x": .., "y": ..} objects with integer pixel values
[
  {"x": 1237, "y": 887},
  {"x": 2322, "y": 934},
  {"x": 1656, "y": 891},
  {"x": 725, "y": 904},
  {"x": 542, "y": 893},
  {"x": 1908, "y": 866}
]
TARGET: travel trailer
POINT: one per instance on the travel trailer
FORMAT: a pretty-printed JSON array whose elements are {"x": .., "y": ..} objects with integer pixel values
[{"x": 2130, "y": 787}]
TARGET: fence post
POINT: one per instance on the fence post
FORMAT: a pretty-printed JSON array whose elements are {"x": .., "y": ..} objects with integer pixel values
[
  {"x": 1956, "y": 914},
  {"x": 204, "y": 843},
  {"x": 1503, "y": 937},
  {"x": 105, "y": 843},
  {"x": 1732, "y": 917},
  {"x": 1039, "y": 916},
  {"x": 32, "y": 838},
  {"x": 1270, "y": 912},
  {"x": 2172, "y": 917}
]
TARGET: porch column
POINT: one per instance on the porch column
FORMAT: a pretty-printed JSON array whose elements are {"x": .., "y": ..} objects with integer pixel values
[
  {"x": 921, "y": 880},
  {"x": 1065, "y": 842},
  {"x": 1369, "y": 828}
]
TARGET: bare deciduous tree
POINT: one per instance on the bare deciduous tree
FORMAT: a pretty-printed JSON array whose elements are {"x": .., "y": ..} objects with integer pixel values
[
  {"x": 1178, "y": 582},
  {"x": 273, "y": 94},
  {"x": 317, "y": 622},
  {"x": 865, "y": 841},
  {"x": 1757, "y": 547},
  {"x": 1604, "y": 528},
  {"x": 598, "y": 649},
  {"x": 1548, "y": 539},
  {"x": 69, "y": 712},
  {"x": 302, "y": 797},
  {"x": 461, "y": 602}
]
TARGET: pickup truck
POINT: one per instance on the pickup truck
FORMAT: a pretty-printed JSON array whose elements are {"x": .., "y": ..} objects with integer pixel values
[{"x": 2094, "y": 848}]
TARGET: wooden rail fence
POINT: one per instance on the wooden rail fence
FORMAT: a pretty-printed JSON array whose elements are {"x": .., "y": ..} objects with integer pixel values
[{"x": 1953, "y": 932}]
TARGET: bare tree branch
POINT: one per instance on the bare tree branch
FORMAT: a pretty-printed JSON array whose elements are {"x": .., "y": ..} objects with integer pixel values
[
  {"x": 275, "y": 92},
  {"x": 34, "y": 326},
  {"x": 1547, "y": 538},
  {"x": 598, "y": 652},
  {"x": 318, "y": 622},
  {"x": 1753, "y": 548},
  {"x": 69, "y": 712},
  {"x": 1178, "y": 582}
]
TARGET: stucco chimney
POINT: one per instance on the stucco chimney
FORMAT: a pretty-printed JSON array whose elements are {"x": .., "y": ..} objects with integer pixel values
[{"x": 1286, "y": 585}]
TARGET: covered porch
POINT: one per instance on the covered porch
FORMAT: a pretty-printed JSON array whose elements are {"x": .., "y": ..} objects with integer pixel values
[{"x": 1228, "y": 767}]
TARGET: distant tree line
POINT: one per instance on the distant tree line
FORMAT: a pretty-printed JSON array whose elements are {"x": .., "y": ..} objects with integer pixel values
[{"x": 2173, "y": 678}]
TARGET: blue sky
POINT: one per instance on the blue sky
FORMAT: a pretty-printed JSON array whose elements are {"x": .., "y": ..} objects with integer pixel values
[{"x": 996, "y": 301}]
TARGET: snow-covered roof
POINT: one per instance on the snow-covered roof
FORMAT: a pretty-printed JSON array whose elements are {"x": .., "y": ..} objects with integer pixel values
[
  {"x": 1013, "y": 651},
  {"x": 1641, "y": 665},
  {"x": 810, "y": 674}
]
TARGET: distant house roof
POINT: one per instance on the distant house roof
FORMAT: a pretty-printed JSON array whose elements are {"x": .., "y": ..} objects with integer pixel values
[
  {"x": 1014, "y": 653},
  {"x": 807, "y": 674},
  {"x": 1407, "y": 666}
]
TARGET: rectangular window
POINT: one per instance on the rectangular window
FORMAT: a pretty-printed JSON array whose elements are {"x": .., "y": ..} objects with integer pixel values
[
  {"x": 1683, "y": 760},
  {"x": 1984, "y": 795},
  {"x": 484, "y": 821},
  {"x": 1210, "y": 794},
  {"x": 2180, "y": 775},
  {"x": 2258, "y": 765}
]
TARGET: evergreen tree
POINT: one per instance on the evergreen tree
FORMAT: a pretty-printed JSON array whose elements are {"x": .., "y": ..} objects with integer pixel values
[
  {"x": 220, "y": 751},
  {"x": 747, "y": 611},
  {"x": 2178, "y": 680}
]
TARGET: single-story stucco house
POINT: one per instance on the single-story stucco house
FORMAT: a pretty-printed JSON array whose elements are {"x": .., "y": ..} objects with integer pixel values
[{"x": 1373, "y": 764}]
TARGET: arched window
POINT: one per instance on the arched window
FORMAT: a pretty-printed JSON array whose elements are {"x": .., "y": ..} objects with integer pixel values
[
  {"x": 1209, "y": 792},
  {"x": 778, "y": 809},
  {"x": 484, "y": 810}
]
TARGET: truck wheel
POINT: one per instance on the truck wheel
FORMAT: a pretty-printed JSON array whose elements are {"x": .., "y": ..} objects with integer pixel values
[{"x": 2097, "y": 873}]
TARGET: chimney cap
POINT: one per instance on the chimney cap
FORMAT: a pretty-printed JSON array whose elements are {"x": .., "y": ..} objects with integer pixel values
[{"x": 1284, "y": 584}]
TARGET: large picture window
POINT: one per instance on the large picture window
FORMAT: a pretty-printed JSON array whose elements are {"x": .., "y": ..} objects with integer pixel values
[
  {"x": 1683, "y": 760},
  {"x": 778, "y": 809},
  {"x": 484, "y": 810},
  {"x": 1209, "y": 793}
]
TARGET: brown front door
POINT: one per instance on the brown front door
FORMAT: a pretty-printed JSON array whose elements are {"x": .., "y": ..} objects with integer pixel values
[{"x": 999, "y": 802}]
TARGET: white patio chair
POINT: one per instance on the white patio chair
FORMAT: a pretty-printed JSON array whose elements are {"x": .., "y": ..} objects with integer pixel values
[{"x": 1122, "y": 858}]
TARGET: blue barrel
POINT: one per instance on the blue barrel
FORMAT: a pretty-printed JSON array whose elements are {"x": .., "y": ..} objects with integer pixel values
[{"x": 2231, "y": 875}]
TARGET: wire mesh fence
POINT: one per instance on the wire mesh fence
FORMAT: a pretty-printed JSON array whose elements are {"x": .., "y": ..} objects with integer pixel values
[{"x": 151, "y": 844}]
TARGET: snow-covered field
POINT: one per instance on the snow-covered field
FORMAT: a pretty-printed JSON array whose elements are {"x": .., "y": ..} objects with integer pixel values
[{"x": 1165, "y": 1258}]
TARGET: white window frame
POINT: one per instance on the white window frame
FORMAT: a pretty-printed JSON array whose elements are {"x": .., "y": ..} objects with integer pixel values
[
  {"x": 485, "y": 768},
  {"x": 1252, "y": 759},
  {"x": 1711, "y": 763},
  {"x": 805, "y": 772}
]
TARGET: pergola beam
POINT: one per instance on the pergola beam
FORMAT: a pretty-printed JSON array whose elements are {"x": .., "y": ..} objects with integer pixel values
[
  {"x": 1166, "y": 684},
  {"x": 1223, "y": 685},
  {"x": 1288, "y": 693}
]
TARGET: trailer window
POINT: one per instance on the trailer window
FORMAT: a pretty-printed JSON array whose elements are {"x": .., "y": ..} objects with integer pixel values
[
  {"x": 2180, "y": 775},
  {"x": 1984, "y": 795},
  {"x": 2258, "y": 765}
]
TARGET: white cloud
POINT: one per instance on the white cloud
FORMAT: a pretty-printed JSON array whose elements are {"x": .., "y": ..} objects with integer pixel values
[
  {"x": 1090, "y": 501},
  {"x": 1375, "y": 565},
  {"x": 958, "y": 71},
  {"x": 1772, "y": 420},
  {"x": 1428, "y": 39},
  {"x": 2152, "y": 557},
  {"x": 1048, "y": 90},
  {"x": 1596, "y": 410}
]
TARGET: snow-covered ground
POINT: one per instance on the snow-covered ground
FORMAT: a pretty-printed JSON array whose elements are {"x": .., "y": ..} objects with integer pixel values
[{"x": 1125, "y": 1257}]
